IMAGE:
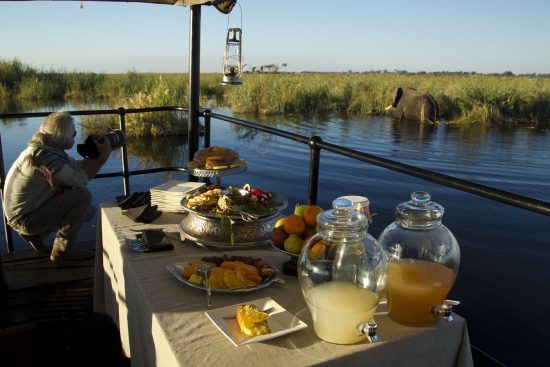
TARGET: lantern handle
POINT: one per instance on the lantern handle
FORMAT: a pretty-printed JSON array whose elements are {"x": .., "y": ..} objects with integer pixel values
[{"x": 241, "y": 13}]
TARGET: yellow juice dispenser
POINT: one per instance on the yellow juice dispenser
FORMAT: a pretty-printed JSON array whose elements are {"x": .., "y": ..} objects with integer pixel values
[
  {"x": 342, "y": 272},
  {"x": 423, "y": 260}
]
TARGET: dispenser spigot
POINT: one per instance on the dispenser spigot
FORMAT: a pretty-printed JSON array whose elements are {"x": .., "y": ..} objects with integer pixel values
[
  {"x": 445, "y": 309},
  {"x": 370, "y": 329}
]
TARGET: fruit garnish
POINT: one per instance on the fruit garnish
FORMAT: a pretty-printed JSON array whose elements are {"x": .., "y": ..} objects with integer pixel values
[
  {"x": 260, "y": 196},
  {"x": 251, "y": 320},
  {"x": 254, "y": 318}
]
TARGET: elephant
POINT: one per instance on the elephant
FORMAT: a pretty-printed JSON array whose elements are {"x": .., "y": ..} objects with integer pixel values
[{"x": 412, "y": 104}]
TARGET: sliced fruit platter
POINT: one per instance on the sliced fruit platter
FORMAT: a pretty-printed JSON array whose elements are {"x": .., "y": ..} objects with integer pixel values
[
  {"x": 228, "y": 274},
  {"x": 246, "y": 203}
]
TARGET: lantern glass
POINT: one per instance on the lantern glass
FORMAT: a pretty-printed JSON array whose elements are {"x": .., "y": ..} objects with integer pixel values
[{"x": 232, "y": 59}]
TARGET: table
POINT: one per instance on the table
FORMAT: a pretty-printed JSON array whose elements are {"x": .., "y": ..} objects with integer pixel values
[{"x": 162, "y": 321}]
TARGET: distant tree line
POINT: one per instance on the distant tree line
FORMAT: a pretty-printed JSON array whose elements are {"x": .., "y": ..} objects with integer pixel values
[
  {"x": 275, "y": 68},
  {"x": 270, "y": 68}
]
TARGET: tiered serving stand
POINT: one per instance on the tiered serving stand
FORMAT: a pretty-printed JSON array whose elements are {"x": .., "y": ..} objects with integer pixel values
[
  {"x": 290, "y": 267},
  {"x": 215, "y": 230},
  {"x": 217, "y": 173}
]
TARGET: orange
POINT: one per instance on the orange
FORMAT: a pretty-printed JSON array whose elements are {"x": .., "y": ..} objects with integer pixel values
[
  {"x": 317, "y": 251},
  {"x": 310, "y": 214},
  {"x": 294, "y": 224}
]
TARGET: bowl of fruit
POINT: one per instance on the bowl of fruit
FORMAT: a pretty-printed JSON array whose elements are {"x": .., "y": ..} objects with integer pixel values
[{"x": 291, "y": 233}]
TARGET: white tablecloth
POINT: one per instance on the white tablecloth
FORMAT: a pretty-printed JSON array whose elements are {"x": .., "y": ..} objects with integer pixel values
[{"x": 162, "y": 321}]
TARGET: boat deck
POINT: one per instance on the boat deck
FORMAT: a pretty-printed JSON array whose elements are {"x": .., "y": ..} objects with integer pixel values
[{"x": 47, "y": 315}]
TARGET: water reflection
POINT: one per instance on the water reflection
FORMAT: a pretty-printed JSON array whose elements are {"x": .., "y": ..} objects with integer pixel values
[
  {"x": 28, "y": 106},
  {"x": 149, "y": 152},
  {"x": 411, "y": 131}
]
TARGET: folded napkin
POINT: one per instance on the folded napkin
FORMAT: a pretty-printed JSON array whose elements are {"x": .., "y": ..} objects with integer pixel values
[
  {"x": 134, "y": 200},
  {"x": 150, "y": 240},
  {"x": 143, "y": 214}
]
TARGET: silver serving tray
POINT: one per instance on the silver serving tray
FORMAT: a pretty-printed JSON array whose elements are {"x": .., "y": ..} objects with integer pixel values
[
  {"x": 225, "y": 245},
  {"x": 207, "y": 232},
  {"x": 177, "y": 273},
  {"x": 279, "y": 206},
  {"x": 205, "y": 172}
]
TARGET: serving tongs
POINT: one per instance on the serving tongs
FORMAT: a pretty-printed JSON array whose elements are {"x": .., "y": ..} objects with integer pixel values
[
  {"x": 246, "y": 216},
  {"x": 204, "y": 270},
  {"x": 268, "y": 311},
  {"x": 226, "y": 204}
]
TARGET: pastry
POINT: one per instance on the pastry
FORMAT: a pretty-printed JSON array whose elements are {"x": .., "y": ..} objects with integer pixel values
[
  {"x": 215, "y": 156},
  {"x": 252, "y": 321}
]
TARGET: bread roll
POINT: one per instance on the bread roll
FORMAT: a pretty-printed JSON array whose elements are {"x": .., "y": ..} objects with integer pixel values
[
  {"x": 252, "y": 321},
  {"x": 215, "y": 156}
]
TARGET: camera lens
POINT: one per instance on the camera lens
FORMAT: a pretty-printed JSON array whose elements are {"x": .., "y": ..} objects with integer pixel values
[
  {"x": 89, "y": 149},
  {"x": 116, "y": 138}
]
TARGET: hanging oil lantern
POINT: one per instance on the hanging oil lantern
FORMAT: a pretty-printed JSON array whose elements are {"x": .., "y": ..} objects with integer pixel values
[{"x": 232, "y": 58}]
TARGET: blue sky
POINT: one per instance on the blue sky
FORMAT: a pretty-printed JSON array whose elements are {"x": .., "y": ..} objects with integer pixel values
[{"x": 484, "y": 36}]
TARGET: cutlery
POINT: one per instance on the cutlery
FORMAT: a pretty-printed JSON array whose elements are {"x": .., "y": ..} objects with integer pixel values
[
  {"x": 205, "y": 270},
  {"x": 267, "y": 311}
]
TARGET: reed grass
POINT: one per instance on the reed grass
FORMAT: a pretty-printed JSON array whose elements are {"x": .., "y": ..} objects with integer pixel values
[{"x": 464, "y": 99}]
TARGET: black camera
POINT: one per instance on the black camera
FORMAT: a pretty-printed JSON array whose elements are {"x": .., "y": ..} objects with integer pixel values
[{"x": 89, "y": 150}]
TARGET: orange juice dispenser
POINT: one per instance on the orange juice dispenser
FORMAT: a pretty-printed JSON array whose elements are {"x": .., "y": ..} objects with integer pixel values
[
  {"x": 423, "y": 259},
  {"x": 342, "y": 271}
]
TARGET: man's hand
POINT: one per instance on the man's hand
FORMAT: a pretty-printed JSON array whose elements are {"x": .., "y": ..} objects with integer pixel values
[
  {"x": 103, "y": 147},
  {"x": 92, "y": 166}
]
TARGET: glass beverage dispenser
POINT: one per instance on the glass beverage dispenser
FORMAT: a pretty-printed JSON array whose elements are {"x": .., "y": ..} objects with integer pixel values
[
  {"x": 342, "y": 271},
  {"x": 423, "y": 259}
]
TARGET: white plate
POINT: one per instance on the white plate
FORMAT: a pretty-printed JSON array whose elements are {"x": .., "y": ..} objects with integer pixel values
[
  {"x": 172, "y": 187},
  {"x": 281, "y": 322}
]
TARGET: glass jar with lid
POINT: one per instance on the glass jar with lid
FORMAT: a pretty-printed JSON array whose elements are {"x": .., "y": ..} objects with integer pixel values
[
  {"x": 423, "y": 260},
  {"x": 342, "y": 272}
]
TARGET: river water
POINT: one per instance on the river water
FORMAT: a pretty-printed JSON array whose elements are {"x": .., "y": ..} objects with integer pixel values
[{"x": 503, "y": 282}]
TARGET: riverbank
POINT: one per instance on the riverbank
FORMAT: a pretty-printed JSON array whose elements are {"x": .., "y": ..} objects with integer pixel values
[{"x": 464, "y": 99}]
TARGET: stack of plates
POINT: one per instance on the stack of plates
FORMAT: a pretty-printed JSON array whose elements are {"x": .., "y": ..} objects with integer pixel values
[{"x": 168, "y": 196}]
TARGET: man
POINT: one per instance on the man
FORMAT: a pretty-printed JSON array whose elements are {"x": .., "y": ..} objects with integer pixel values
[{"x": 45, "y": 189}]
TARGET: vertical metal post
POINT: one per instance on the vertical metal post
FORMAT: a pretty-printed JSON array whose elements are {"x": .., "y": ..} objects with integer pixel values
[
  {"x": 315, "y": 157},
  {"x": 207, "y": 118},
  {"x": 7, "y": 228},
  {"x": 124, "y": 152},
  {"x": 194, "y": 82}
]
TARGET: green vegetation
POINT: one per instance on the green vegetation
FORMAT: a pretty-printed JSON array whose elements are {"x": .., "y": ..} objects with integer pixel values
[{"x": 463, "y": 98}]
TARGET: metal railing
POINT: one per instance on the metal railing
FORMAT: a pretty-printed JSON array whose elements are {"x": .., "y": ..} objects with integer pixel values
[
  {"x": 125, "y": 173},
  {"x": 315, "y": 144}
]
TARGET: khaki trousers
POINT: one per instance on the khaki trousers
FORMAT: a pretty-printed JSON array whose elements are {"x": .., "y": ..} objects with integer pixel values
[{"x": 64, "y": 212}]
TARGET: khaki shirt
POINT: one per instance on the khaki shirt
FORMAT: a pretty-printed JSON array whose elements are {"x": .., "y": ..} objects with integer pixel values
[{"x": 29, "y": 185}]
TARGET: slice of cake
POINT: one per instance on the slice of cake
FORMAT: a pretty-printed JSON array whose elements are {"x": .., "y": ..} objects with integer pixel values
[{"x": 252, "y": 321}]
